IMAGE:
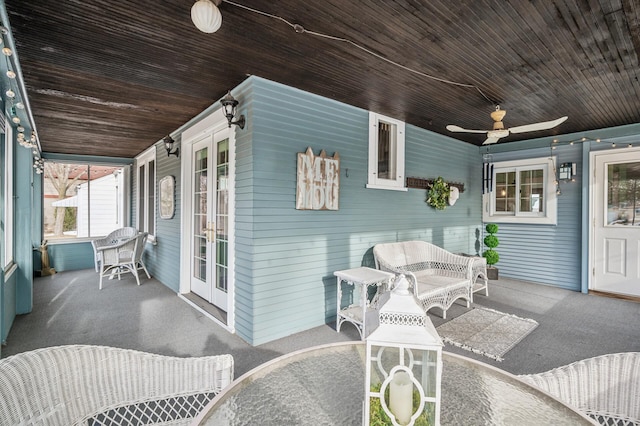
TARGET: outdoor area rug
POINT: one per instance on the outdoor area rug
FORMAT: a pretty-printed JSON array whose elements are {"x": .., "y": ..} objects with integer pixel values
[{"x": 486, "y": 332}]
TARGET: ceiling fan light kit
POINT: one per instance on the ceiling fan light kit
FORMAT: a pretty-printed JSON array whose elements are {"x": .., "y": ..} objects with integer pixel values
[{"x": 499, "y": 130}]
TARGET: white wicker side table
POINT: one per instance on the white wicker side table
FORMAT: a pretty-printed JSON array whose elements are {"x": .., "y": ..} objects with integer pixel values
[{"x": 361, "y": 312}]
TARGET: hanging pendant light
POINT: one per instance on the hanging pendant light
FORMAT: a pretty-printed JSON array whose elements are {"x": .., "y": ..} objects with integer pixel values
[{"x": 206, "y": 16}]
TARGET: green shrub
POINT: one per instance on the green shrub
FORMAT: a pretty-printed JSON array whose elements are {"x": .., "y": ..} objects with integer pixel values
[
  {"x": 491, "y": 241},
  {"x": 491, "y": 256},
  {"x": 70, "y": 215},
  {"x": 492, "y": 228}
]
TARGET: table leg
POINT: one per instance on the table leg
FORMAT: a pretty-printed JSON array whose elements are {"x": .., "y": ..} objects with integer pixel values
[
  {"x": 364, "y": 289},
  {"x": 339, "y": 299}
]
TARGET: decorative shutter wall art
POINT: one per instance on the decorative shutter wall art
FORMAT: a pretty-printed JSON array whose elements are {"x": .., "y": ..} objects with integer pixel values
[{"x": 318, "y": 183}]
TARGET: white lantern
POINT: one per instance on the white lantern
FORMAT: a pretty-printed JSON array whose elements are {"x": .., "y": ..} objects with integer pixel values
[{"x": 404, "y": 364}]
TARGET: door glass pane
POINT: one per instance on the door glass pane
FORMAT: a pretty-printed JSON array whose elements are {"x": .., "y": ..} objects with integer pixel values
[
  {"x": 200, "y": 215},
  {"x": 623, "y": 194},
  {"x": 222, "y": 214},
  {"x": 386, "y": 151},
  {"x": 505, "y": 192},
  {"x": 532, "y": 191}
]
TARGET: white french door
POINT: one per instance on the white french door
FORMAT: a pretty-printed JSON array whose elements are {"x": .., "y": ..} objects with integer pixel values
[
  {"x": 616, "y": 223},
  {"x": 209, "y": 277}
]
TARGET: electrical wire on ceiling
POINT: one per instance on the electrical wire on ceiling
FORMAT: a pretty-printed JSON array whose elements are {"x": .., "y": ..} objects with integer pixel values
[{"x": 301, "y": 30}]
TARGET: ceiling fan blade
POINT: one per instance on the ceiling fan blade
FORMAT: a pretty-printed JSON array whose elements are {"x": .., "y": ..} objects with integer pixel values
[
  {"x": 453, "y": 128},
  {"x": 544, "y": 125},
  {"x": 490, "y": 140}
]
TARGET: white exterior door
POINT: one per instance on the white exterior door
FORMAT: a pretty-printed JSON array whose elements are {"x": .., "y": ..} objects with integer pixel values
[
  {"x": 616, "y": 222},
  {"x": 209, "y": 277}
]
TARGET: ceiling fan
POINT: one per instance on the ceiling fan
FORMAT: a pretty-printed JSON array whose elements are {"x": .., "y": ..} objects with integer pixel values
[{"x": 499, "y": 131}]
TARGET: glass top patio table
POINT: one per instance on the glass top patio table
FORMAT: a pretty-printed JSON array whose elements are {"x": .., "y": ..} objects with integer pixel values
[{"x": 325, "y": 386}]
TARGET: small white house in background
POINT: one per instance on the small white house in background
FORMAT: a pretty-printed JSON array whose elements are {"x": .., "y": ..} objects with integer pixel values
[{"x": 103, "y": 202}]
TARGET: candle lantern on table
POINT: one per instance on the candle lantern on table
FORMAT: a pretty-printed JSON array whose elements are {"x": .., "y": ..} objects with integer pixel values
[{"x": 403, "y": 364}]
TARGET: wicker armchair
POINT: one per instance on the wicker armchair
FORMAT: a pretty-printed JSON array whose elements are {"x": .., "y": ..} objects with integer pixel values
[
  {"x": 606, "y": 388},
  {"x": 437, "y": 276},
  {"x": 125, "y": 256},
  {"x": 78, "y": 384},
  {"x": 113, "y": 238}
]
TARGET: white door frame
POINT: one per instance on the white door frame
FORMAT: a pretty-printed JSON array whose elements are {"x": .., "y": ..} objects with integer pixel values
[
  {"x": 594, "y": 181},
  {"x": 209, "y": 125}
]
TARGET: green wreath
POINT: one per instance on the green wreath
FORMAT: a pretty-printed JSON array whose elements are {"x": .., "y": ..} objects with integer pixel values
[{"x": 438, "y": 194}]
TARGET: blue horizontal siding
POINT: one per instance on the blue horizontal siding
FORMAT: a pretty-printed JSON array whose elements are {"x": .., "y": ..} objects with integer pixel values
[
  {"x": 8, "y": 303},
  {"x": 285, "y": 258},
  {"x": 71, "y": 256},
  {"x": 160, "y": 258},
  {"x": 547, "y": 254}
]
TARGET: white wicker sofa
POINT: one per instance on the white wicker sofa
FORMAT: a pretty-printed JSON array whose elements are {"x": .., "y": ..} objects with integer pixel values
[
  {"x": 437, "y": 276},
  {"x": 606, "y": 387},
  {"x": 99, "y": 385}
]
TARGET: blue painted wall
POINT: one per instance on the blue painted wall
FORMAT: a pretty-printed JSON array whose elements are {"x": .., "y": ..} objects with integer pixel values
[
  {"x": 16, "y": 284},
  {"x": 8, "y": 303},
  {"x": 24, "y": 206},
  {"x": 6, "y": 315},
  {"x": 286, "y": 257},
  {"x": 70, "y": 256}
]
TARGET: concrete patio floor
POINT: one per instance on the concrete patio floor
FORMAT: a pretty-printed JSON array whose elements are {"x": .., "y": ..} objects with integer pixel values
[{"x": 69, "y": 309}]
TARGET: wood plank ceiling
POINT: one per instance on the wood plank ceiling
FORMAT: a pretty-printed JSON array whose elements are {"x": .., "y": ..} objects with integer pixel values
[{"x": 111, "y": 78}]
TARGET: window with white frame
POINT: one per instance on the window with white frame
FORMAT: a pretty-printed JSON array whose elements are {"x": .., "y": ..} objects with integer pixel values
[
  {"x": 523, "y": 191},
  {"x": 83, "y": 200},
  {"x": 8, "y": 193},
  {"x": 146, "y": 190},
  {"x": 386, "y": 152}
]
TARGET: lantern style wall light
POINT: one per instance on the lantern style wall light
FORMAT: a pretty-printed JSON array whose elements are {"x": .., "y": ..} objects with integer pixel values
[
  {"x": 168, "y": 145},
  {"x": 403, "y": 364},
  {"x": 230, "y": 106},
  {"x": 567, "y": 171}
]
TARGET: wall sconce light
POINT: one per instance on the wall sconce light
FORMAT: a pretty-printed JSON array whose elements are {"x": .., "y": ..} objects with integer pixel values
[
  {"x": 168, "y": 144},
  {"x": 206, "y": 16},
  {"x": 229, "y": 105},
  {"x": 567, "y": 171}
]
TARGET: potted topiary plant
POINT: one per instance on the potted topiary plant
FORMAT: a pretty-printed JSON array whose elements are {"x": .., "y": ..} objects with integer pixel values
[{"x": 491, "y": 255}]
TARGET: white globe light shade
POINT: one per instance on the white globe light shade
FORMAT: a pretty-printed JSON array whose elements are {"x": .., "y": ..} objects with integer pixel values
[{"x": 206, "y": 16}]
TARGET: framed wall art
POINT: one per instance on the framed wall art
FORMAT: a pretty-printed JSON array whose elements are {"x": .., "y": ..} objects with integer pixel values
[{"x": 167, "y": 197}]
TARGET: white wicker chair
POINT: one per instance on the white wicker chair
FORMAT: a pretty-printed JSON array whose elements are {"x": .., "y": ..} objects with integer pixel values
[
  {"x": 114, "y": 237},
  {"x": 606, "y": 388},
  {"x": 99, "y": 385},
  {"x": 438, "y": 277},
  {"x": 125, "y": 256}
]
